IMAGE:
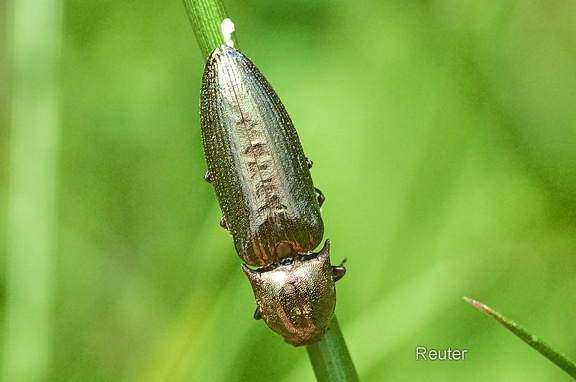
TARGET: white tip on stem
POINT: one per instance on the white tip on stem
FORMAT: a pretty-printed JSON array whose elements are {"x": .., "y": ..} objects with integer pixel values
[{"x": 227, "y": 27}]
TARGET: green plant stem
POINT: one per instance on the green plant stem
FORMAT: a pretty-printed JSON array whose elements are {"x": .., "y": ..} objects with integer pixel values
[
  {"x": 206, "y": 16},
  {"x": 536, "y": 343},
  {"x": 330, "y": 357},
  {"x": 32, "y": 195}
]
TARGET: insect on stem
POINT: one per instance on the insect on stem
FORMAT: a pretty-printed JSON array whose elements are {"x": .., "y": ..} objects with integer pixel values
[{"x": 270, "y": 206}]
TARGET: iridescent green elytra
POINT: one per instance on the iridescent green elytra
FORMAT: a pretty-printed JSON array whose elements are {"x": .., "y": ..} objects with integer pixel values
[{"x": 264, "y": 188}]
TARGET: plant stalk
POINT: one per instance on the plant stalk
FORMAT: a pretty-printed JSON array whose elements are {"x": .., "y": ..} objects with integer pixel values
[
  {"x": 206, "y": 17},
  {"x": 330, "y": 358},
  {"x": 557, "y": 357},
  {"x": 33, "y": 189}
]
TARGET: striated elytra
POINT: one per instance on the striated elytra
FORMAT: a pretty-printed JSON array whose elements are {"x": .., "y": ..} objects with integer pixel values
[
  {"x": 268, "y": 201},
  {"x": 256, "y": 162}
]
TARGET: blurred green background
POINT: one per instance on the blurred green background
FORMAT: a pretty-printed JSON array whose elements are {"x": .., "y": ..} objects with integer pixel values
[{"x": 443, "y": 135}]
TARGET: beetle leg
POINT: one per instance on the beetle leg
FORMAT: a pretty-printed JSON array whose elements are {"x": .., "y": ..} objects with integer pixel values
[
  {"x": 257, "y": 315},
  {"x": 321, "y": 197},
  {"x": 223, "y": 223},
  {"x": 309, "y": 163},
  {"x": 208, "y": 177},
  {"x": 338, "y": 271}
]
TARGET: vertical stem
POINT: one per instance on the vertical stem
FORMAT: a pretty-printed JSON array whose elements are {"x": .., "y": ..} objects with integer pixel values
[
  {"x": 330, "y": 357},
  {"x": 206, "y": 16},
  {"x": 32, "y": 189}
]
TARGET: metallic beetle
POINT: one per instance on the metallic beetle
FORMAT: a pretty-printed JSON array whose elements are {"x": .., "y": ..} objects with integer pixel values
[{"x": 268, "y": 201}]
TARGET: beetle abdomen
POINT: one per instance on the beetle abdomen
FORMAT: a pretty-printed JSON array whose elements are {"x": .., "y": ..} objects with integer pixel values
[{"x": 256, "y": 162}]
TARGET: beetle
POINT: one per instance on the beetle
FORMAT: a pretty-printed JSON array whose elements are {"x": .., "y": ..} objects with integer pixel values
[{"x": 270, "y": 207}]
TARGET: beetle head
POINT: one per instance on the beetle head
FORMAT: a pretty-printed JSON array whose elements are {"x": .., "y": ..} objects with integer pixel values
[{"x": 296, "y": 299}]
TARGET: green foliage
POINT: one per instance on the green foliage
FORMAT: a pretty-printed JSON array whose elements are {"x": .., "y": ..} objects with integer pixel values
[
  {"x": 206, "y": 17},
  {"x": 557, "y": 357},
  {"x": 330, "y": 358},
  {"x": 442, "y": 135}
]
